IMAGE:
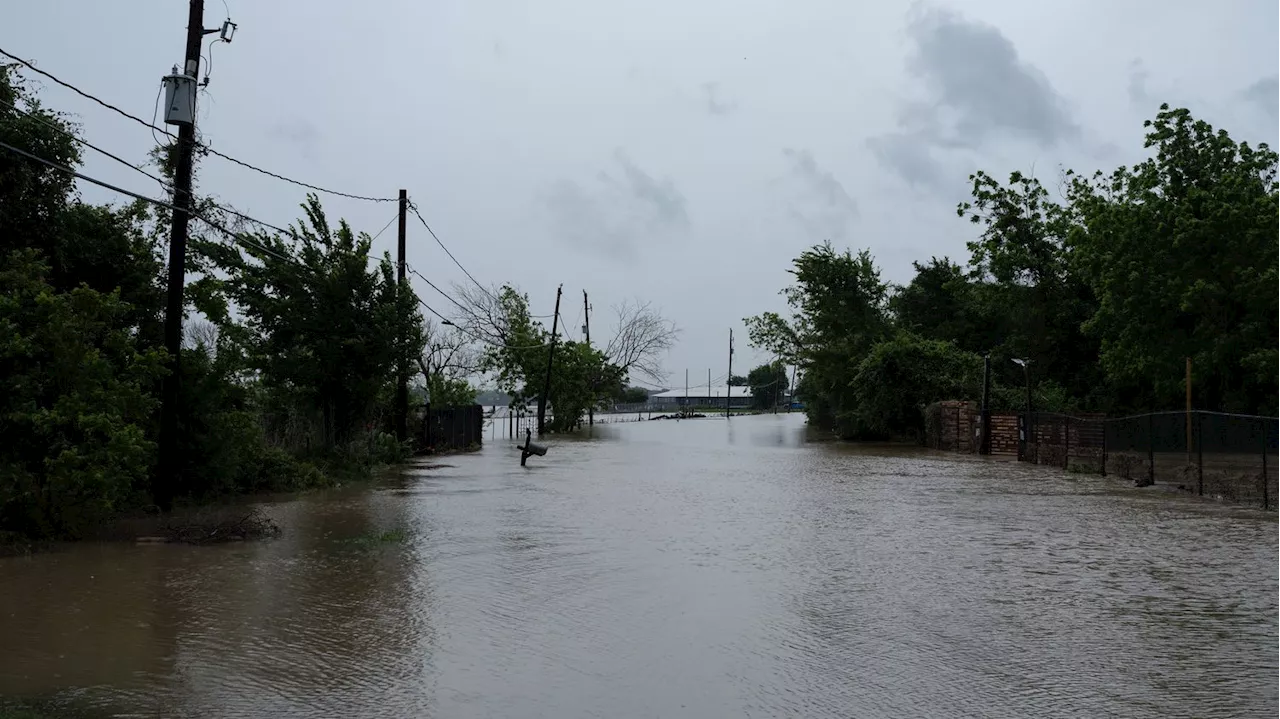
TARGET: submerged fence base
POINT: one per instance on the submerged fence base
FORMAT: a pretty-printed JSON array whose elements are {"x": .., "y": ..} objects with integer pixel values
[{"x": 1212, "y": 454}]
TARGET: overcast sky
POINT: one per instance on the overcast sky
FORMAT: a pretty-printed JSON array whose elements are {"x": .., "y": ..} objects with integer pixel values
[{"x": 675, "y": 151}]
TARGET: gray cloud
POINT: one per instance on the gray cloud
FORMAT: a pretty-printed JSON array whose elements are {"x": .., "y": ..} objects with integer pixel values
[
  {"x": 828, "y": 210},
  {"x": 972, "y": 71},
  {"x": 714, "y": 105},
  {"x": 911, "y": 157},
  {"x": 974, "y": 89},
  {"x": 610, "y": 217},
  {"x": 659, "y": 201},
  {"x": 296, "y": 131},
  {"x": 1264, "y": 95},
  {"x": 1137, "y": 87}
]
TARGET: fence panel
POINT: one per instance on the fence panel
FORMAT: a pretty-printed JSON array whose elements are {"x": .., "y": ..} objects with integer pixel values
[
  {"x": 1228, "y": 456},
  {"x": 452, "y": 428}
]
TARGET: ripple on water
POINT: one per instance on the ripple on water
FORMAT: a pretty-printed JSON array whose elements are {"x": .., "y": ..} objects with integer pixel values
[{"x": 693, "y": 569}]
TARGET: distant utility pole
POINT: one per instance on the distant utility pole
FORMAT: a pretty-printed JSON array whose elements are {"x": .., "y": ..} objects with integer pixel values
[
  {"x": 791, "y": 398},
  {"x": 586, "y": 331},
  {"x": 402, "y": 371},
  {"x": 777, "y": 386},
  {"x": 168, "y": 479},
  {"x": 686, "y": 389},
  {"x": 551, "y": 353},
  {"x": 728, "y": 392},
  {"x": 708, "y": 385}
]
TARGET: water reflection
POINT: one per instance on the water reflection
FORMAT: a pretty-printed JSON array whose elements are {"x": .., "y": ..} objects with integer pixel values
[{"x": 695, "y": 568}]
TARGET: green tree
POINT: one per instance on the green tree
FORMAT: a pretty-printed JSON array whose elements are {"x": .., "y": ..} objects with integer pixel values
[
  {"x": 631, "y": 395},
  {"x": 900, "y": 377},
  {"x": 1181, "y": 251},
  {"x": 737, "y": 380},
  {"x": 768, "y": 384},
  {"x": 942, "y": 303},
  {"x": 581, "y": 376},
  {"x": 1024, "y": 285},
  {"x": 74, "y": 403},
  {"x": 320, "y": 326},
  {"x": 839, "y": 312}
]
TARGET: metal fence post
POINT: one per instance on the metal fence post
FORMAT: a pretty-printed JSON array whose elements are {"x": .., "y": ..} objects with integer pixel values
[
  {"x": 1103, "y": 424},
  {"x": 1266, "y": 480},
  {"x": 1200, "y": 453},
  {"x": 1151, "y": 449},
  {"x": 1066, "y": 442}
]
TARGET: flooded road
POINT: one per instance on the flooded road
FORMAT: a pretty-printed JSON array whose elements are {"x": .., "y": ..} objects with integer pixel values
[{"x": 704, "y": 568}]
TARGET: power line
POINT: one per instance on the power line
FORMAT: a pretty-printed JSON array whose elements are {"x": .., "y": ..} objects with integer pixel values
[
  {"x": 200, "y": 145},
  {"x": 238, "y": 237},
  {"x": 144, "y": 198},
  {"x": 389, "y": 223},
  {"x": 459, "y": 328},
  {"x": 446, "y": 250},
  {"x": 86, "y": 143},
  {"x": 433, "y": 286},
  {"x": 163, "y": 182}
]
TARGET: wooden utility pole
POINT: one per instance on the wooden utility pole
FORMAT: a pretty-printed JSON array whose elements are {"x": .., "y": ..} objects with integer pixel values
[
  {"x": 586, "y": 331},
  {"x": 708, "y": 384},
  {"x": 728, "y": 392},
  {"x": 168, "y": 480},
  {"x": 686, "y": 390},
  {"x": 777, "y": 385},
  {"x": 551, "y": 354},
  {"x": 402, "y": 371},
  {"x": 791, "y": 398}
]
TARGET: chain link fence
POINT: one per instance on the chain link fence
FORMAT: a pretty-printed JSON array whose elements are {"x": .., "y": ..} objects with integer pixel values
[{"x": 1228, "y": 456}]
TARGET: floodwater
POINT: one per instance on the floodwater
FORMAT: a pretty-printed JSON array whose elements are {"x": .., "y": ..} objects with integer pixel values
[{"x": 704, "y": 568}]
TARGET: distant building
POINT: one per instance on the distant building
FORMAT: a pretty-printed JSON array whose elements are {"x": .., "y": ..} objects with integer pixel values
[{"x": 739, "y": 397}]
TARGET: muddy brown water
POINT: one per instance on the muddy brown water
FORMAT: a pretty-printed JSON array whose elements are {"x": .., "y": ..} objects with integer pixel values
[{"x": 704, "y": 568}]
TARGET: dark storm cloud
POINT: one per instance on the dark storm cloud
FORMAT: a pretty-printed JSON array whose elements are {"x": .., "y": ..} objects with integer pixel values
[
  {"x": 612, "y": 216},
  {"x": 974, "y": 89},
  {"x": 827, "y": 209}
]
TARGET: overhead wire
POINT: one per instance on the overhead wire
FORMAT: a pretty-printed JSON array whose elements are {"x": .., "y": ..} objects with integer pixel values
[
  {"x": 161, "y": 203},
  {"x": 432, "y": 232},
  {"x": 389, "y": 223},
  {"x": 238, "y": 237},
  {"x": 201, "y": 145},
  {"x": 86, "y": 143}
]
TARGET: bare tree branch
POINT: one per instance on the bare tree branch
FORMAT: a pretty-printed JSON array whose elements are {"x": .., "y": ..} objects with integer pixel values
[
  {"x": 481, "y": 313},
  {"x": 642, "y": 337},
  {"x": 448, "y": 352},
  {"x": 199, "y": 332}
]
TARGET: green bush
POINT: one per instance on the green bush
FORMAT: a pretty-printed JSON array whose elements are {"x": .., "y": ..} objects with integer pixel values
[{"x": 73, "y": 404}]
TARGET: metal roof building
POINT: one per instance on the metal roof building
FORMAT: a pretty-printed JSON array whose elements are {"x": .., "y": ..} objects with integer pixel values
[{"x": 699, "y": 397}]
